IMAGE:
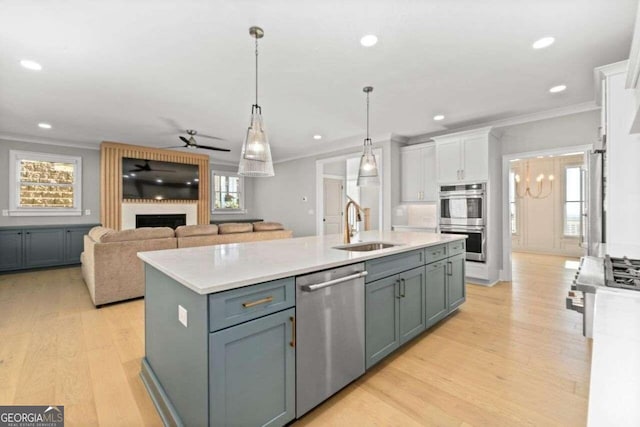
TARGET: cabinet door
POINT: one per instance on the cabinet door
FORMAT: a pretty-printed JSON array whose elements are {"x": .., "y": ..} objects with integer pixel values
[
  {"x": 252, "y": 372},
  {"x": 456, "y": 284},
  {"x": 382, "y": 315},
  {"x": 429, "y": 176},
  {"x": 43, "y": 247},
  {"x": 412, "y": 298},
  {"x": 475, "y": 154},
  {"x": 74, "y": 244},
  {"x": 436, "y": 292},
  {"x": 448, "y": 159},
  {"x": 412, "y": 180},
  {"x": 10, "y": 250}
]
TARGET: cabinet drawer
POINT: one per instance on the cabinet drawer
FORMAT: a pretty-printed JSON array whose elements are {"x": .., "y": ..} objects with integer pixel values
[
  {"x": 436, "y": 253},
  {"x": 393, "y": 264},
  {"x": 456, "y": 248},
  {"x": 239, "y": 305}
]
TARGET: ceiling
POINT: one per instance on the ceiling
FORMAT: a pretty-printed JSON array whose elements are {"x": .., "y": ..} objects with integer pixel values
[{"x": 137, "y": 71}]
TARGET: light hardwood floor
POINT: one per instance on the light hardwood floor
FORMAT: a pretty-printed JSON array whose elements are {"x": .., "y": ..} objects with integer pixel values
[{"x": 512, "y": 355}]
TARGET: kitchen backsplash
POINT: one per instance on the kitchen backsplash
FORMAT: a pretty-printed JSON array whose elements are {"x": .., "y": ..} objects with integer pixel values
[{"x": 422, "y": 215}]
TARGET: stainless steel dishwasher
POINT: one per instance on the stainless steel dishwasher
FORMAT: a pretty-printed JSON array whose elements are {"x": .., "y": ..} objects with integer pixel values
[{"x": 329, "y": 333}]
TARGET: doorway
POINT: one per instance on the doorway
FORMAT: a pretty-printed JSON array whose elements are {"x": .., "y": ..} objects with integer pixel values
[
  {"x": 544, "y": 200},
  {"x": 334, "y": 196},
  {"x": 337, "y": 179}
]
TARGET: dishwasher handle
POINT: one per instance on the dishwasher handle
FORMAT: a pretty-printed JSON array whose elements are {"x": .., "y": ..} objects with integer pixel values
[{"x": 318, "y": 286}]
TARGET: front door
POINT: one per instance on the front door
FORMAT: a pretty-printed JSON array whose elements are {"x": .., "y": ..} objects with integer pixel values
[{"x": 333, "y": 201}]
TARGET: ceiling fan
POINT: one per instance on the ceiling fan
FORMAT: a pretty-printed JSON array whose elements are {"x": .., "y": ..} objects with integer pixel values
[
  {"x": 191, "y": 142},
  {"x": 147, "y": 168}
]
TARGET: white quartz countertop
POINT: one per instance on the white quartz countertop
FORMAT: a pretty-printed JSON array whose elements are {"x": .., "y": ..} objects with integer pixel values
[
  {"x": 209, "y": 269},
  {"x": 415, "y": 227},
  {"x": 615, "y": 366}
]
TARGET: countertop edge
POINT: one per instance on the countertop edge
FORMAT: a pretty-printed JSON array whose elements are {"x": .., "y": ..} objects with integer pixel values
[{"x": 248, "y": 282}]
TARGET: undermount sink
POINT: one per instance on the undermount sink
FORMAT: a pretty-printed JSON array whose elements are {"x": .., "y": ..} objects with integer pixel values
[{"x": 365, "y": 246}]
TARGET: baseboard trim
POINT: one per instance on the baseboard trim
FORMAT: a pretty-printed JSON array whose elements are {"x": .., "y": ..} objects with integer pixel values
[
  {"x": 481, "y": 282},
  {"x": 168, "y": 413}
]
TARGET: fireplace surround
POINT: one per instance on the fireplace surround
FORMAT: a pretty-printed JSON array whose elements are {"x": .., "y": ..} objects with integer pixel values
[{"x": 161, "y": 220}]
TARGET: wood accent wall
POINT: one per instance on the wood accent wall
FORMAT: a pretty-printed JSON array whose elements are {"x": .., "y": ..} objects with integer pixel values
[{"x": 111, "y": 154}]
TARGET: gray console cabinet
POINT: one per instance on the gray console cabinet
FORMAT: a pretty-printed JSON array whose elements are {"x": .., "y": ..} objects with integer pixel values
[
  {"x": 10, "y": 249},
  {"x": 456, "y": 284},
  {"x": 41, "y": 246},
  {"x": 437, "y": 306}
]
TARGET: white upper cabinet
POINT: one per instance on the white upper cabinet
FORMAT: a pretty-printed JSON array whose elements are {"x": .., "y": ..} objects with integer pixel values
[
  {"x": 463, "y": 157},
  {"x": 418, "y": 166}
]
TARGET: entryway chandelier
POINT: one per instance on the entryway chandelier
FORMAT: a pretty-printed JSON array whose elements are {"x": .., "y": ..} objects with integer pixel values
[
  {"x": 255, "y": 159},
  {"x": 537, "y": 193}
]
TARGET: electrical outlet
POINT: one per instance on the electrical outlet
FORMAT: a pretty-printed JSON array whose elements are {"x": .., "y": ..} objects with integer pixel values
[
  {"x": 87, "y": 212},
  {"x": 183, "y": 316},
  {"x": 5, "y": 212}
]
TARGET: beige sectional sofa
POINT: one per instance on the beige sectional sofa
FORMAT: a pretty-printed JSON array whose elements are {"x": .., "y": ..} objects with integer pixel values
[{"x": 113, "y": 272}]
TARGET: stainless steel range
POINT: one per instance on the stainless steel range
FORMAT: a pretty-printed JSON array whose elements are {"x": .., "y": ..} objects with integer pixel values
[{"x": 594, "y": 273}]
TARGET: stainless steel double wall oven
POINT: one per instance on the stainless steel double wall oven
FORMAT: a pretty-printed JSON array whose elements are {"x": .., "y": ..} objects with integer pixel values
[{"x": 463, "y": 210}]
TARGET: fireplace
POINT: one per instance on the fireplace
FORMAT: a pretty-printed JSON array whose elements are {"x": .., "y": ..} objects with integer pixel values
[{"x": 161, "y": 220}]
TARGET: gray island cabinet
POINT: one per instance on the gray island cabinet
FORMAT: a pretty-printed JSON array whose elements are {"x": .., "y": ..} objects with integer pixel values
[{"x": 226, "y": 355}]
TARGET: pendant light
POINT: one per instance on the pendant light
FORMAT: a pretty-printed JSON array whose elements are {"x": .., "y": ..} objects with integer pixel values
[
  {"x": 368, "y": 171},
  {"x": 255, "y": 159}
]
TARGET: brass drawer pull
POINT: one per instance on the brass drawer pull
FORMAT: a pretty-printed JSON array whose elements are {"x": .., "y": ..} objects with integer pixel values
[
  {"x": 292, "y": 343},
  {"x": 258, "y": 302}
]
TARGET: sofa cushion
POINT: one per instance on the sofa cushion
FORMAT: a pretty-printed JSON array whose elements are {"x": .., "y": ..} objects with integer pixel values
[
  {"x": 143, "y": 233},
  {"x": 267, "y": 226},
  {"x": 196, "y": 230},
  {"x": 235, "y": 227}
]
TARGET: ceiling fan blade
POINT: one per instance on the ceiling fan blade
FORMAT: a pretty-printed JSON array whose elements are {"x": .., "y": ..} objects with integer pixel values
[
  {"x": 206, "y": 147},
  {"x": 201, "y": 135},
  {"x": 163, "y": 170},
  {"x": 176, "y": 146},
  {"x": 185, "y": 140}
]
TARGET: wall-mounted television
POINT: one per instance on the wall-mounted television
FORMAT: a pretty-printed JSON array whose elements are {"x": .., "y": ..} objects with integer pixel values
[{"x": 156, "y": 180}]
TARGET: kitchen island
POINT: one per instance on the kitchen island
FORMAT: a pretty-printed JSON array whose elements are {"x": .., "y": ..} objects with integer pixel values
[{"x": 221, "y": 345}]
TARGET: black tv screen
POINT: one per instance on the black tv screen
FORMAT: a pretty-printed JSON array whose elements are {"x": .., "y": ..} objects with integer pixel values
[{"x": 155, "y": 180}]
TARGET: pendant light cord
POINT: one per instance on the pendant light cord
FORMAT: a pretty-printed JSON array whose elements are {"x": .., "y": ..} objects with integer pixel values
[
  {"x": 367, "y": 116},
  {"x": 256, "y": 71}
]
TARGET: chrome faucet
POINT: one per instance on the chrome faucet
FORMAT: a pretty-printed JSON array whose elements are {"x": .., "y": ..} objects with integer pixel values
[{"x": 349, "y": 230}]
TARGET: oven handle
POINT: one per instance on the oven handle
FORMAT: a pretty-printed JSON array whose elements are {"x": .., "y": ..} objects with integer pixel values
[
  {"x": 444, "y": 229},
  {"x": 448, "y": 194}
]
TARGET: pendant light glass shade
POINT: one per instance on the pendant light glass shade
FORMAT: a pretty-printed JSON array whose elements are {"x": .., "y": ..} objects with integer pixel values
[
  {"x": 368, "y": 170},
  {"x": 255, "y": 158}
]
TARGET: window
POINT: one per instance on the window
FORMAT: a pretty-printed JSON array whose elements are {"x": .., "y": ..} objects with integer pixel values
[
  {"x": 44, "y": 184},
  {"x": 572, "y": 200},
  {"x": 513, "y": 207},
  {"x": 228, "y": 196}
]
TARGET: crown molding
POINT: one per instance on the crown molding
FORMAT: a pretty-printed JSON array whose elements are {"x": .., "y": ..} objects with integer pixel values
[
  {"x": 633, "y": 73},
  {"x": 47, "y": 141},
  {"x": 600, "y": 73}
]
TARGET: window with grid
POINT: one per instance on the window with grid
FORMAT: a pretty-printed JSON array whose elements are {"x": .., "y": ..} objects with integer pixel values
[
  {"x": 44, "y": 184},
  {"x": 572, "y": 200},
  {"x": 228, "y": 196}
]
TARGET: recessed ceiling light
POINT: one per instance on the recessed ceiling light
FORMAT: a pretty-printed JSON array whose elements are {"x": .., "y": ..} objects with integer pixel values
[
  {"x": 133, "y": 174},
  {"x": 368, "y": 40},
  {"x": 44, "y": 125},
  {"x": 31, "y": 65},
  {"x": 188, "y": 182},
  {"x": 558, "y": 88},
  {"x": 438, "y": 117},
  {"x": 159, "y": 181},
  {"x": 317, "y": 136},
  {"x": 543, "y": 42},
  {"x": 196, "y": 180}
]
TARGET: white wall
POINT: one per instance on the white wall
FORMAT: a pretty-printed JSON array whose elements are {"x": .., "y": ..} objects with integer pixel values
[
  {"x": 541, "y": 221},
  {"x": 565, "y": 131},
  {"x": 280, "y": 198},
  {"x": 90, "y": 183}
]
